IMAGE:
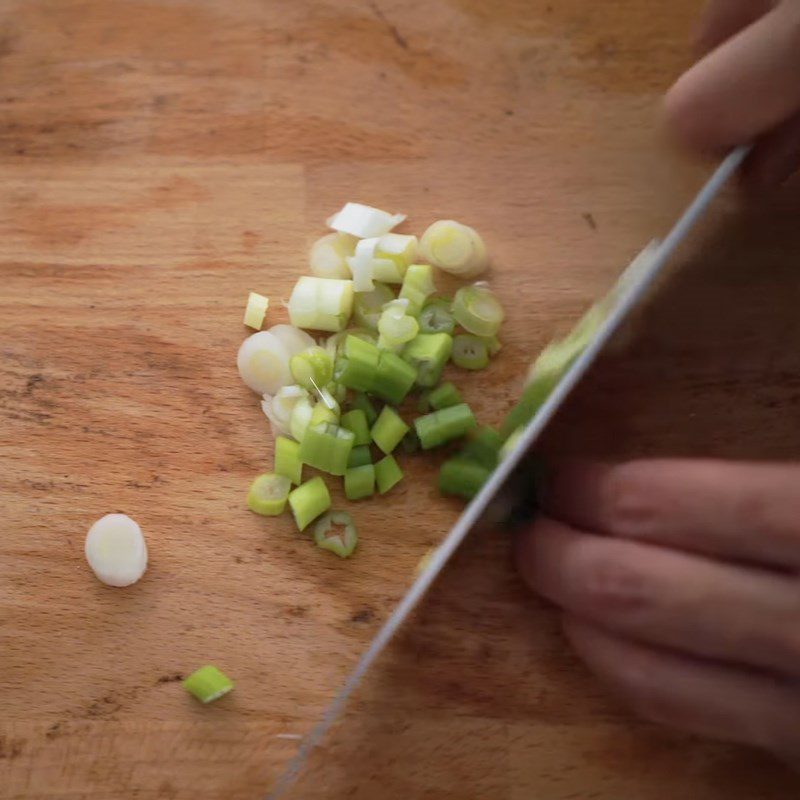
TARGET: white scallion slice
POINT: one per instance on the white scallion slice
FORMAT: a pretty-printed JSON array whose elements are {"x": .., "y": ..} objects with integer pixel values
[
  {"x": 364, "y": 221},
  {"x": 321, "y": 304},
  {"x": 278, "y": 409},
  {"x": 264, "y": 363},
  {"x": 395, "y": 251},
  {"x": 293, "y": 339},
  {"x": 454, "y": 248},
  {"x": 361, "y": 265},
  {"x": 328, "y": 256},
  {"x": 256, "y": 310},
  {"x": 395, "y": 326},
  {"x": 116, "y": 550},
  {"x": 301, "y": 418}
]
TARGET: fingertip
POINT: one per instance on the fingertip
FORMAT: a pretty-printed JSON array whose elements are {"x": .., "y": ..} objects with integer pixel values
[{"x": 685, "y": 120}]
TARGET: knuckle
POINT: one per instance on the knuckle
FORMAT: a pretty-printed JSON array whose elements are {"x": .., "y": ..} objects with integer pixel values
[{"x": 631, "y": 503}]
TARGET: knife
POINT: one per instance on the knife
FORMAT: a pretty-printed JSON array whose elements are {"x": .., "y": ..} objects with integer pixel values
[{"x": 498, "y": 493}]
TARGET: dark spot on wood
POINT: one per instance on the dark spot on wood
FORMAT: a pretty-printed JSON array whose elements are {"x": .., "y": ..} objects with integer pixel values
[
  {"x": 590, "y": 221},
  {"x": 297, "y": 611},
  {"x": 104, "y": 707},
  {"x": 363, "y": 615},
  {"x": 509, "y": 112},
  {"x": 10, "y": 748},
  {"x": 238, "y": 559},
  {"x": 175, "y": 677},
  {"x": 396, "y": 35},
  {"x": 54, "y": 731},
  {"x": 33, "y": 381}
]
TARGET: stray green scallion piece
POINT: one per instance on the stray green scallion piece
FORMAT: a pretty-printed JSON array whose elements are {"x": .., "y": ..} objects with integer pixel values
[
  {"x": 444, "y": 425},
  {"x": 483, "y": 447},
  {"x": 357, "y": 366},
  {"x": 336, "y": 532},
  {"x": 256, "y": 310},
  {"x": 268, "y": 493},
  {"x": 356, "y": 422},
  {"x": 436, "y": 316},
  {"x": 388, "y": 430},
  {"x": 393, "y": 378},
  {"x": 287, "y": 460},
  {"x": 428, "y": 353},
  {"x": 308, "y": 501},
  {"x": 208, "y": 684},
  {"x": 368, "y": 306},
  {"x": 493, "y": 345},
  {"x": 470, "y": 352},
  {"x": 312, "y": 368},
  {"x": 327, "y": 447},
  {"x": 359, "y": 456},
  {"x": 477, "y": 310},
  {"x": 359, "y": 482},
  {"x": 387, "y": 474},
  {"x": 462, "y": 477},
  {"x": 443, "y": 396},
  {"x": 417, "y": 287},
  {"x": 360, "y": 400}
]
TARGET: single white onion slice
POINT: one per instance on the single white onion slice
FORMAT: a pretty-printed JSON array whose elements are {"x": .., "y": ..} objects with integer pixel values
[
  {"x": 328, "y": 256},
  {"x": 364, "y": 221},
  {"x": 116, "y": 550},
  {"x": 454, "y": 248},
  {"x": 323, "y": 304},
  {"x": 293, "y": 339},
  {"x": 256, "y": 310},
  {"x": 263, "y": 363},
  {"x": 361, "y": 265},
  {"x": 278, "y": 409}
]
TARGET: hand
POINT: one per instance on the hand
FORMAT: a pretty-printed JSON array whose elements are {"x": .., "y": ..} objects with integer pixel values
[
  {"x": 745, "y": 87},
  {"x": 679, "y": 586}
]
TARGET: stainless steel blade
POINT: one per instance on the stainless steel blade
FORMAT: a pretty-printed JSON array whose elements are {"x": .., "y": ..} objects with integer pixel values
[{"x": 631, "y": 289}]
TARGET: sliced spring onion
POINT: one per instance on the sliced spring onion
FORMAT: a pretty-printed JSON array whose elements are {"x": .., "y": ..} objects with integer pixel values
[
  {"x": 279, "y": 408},
  {"x": 444, "y": 396},
  {"x": 287, "y": 460},
  {"x": 388, "y": 430},
  {"x": 356, "y": 421},
  {"x": 387, "y": 474},
  {"x": 462, "y": 477},
  {"x": 336, "y": 532},
  {"x": 360, "y": 400},
  {"x": 301, "y": 418},
  {"x": 424, "y": 562},
  {"x": 394, "y": 253},
  {"x": 364, "y": 221},
  {"x": 327, "y": 399},
  {"x": 328, "y": 257},
  {"x": 327, "y": 447},
  {"x": 428, "y": 353},
  {"x": 477, "y": 310},
  {"x": 263, "y": 363},
  {"x": 208, "y": 684},
  {"x": 423, "y": 402},
  {"x": 393, "y": 378},
  {"x": 367, "y": 306},
  {"x": 417, "y": 287},
  {"x": 493, "y": 345},
  {"x": 483, "y": 447},
  {"x": 359, "y": 456},
  {"x": 293, "y": 339},
  {"x": 359, "y": 482},
  {"x": 256, "y": 310},
  {"x": 454, "y": 248},
  {"x": 362, "y": 265},
  {"x": 116, "y": 550},
  {"x": 395, "y": 325},
  {"x": 356, "y": 368},
  {"x": 268, "y": 494},
  {"x": 511, "y": 442},
  {"x": 308, "y": 501},
  {"x": 437, "y": 317},
  {"x": 338, "y": 392},
  {"x": 313, "y": 368},
  {"x": 323, "y": 414},
  {"x": 444, "y": 425},
  {"x": 470, "y": 352},
  {"x": 322, "y": 304}
]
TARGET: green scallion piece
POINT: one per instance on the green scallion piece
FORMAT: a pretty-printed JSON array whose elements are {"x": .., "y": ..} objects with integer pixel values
[
  {"x": 360, "y": 400},
  {"x": 322, "y": 414},
  {"x": 356, "y": 421},
  {"x": 338, "y": 392},
  {"x": 208, "y": 684},
  {"x": 368, "y": 306},
  {"x": 417, "y": 287},
  {"x": 268, "y": 494},
  {"x": 462, "y": 477},
  {"x": 437, "y": 317},
  {"x": 444, "y": 396},
  {"x": 534, "y": 396},
  {"x": 359, "y": 456},
  {"x": 444, "y": 425},
  {"x": 493, "y": 345},
  {"x": 396, "y": 325},
  {"x": 483, "y": 447},
  {"x": 336, "y": 532},
  {"x": 387, "y": 474},
  {"x": 393, "y": 378},
  {"x": 388, "y": 430},
  {"x": 327, "y": 447},
  {"x": 423, "y": 402},
  {"x": 308, "y": 501},
  {"x": 313, "y": 368},
  {"x": 470, "y": 352},
  {"x": 477, "y": 310},
  {"x": 359, "y": 482},
  {"x": 287, "y": 459},
  {"x": 357, "y": 366},
  {"x": 428, "y": 353}
]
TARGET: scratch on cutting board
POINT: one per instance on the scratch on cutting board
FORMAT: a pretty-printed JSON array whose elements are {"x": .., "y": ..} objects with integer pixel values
[{"x": 292, "y": 736}]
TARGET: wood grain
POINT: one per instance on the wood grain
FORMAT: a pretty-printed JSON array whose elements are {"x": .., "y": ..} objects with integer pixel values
[{"x": 160, "y": 159}]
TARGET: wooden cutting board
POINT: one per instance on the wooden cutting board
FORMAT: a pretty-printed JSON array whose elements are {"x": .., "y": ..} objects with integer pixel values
[{"x": 159, "y": 160}]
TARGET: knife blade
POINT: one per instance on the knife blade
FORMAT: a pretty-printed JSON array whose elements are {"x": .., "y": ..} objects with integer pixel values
[{"x": 492, "y": 501}]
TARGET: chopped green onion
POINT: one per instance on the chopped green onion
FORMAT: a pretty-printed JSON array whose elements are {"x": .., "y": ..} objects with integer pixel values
[
  {"x": 362, "y": 265},
  {"x": 359, "y": 482},
  {"x": 302, "y": 412},
  {"x": 462, "y": 477},
  {"x": 256, "y": 310},
  {"x": 410, "y": 443},
  {"x": 483, "y": 447},
  {"x": 444, "y": 396},
  {"x": 511, "y": 442},
  {"x": 116, "y": 550},
  {"x": 268, "y": 494},
  {"x": 387, "y": 474},
  {"x": 364, "y": 221},
  {"x": 338, "y": 392},
  {"x": 393, "y": 378},
  {"x": 400, "y": 251},
  {"x": 287, "y": 460},
  {"x": 424, "y": 562},
  {"x": 328, "y": 255},
  {"x": 357, "y": 366},
  {"x": 533, "y": 397},
  {"x": 279, "y": 408},
  {"x": 477, "y": 310},
  {"x": 327, "y": 448},
  {"x": 312, "y": 368},
  {"x": 356, "y": 421},
  {"x": 444, "y": 425},
  {"x": 423, "y": 402},
  {"x": 367, "y": 306},
  {"x": 360, "y": 400},
  {"x": 263, "y": 363},
  {"x": 341, "y": 542},
  {"x": 322, "y": 304},
  {"x": 322, "y": 414},
  {"x": 454, "y": 248},
  {"x": 437, "y": 317},
  {"x": 359, "y": 456},
  {"x": 208, "y": 684},
  {"x": 395, "y": 325},
  {"x": 293, "y": 339},
  {"x": 470, "y": 352},
  {"x": 417, "y": 286},
  {"x": 428, "y": 354},
  {"x": 308, "y": 501},
  {"x": 493, "y": 345},
  {"x": 388, "y": 430}
]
